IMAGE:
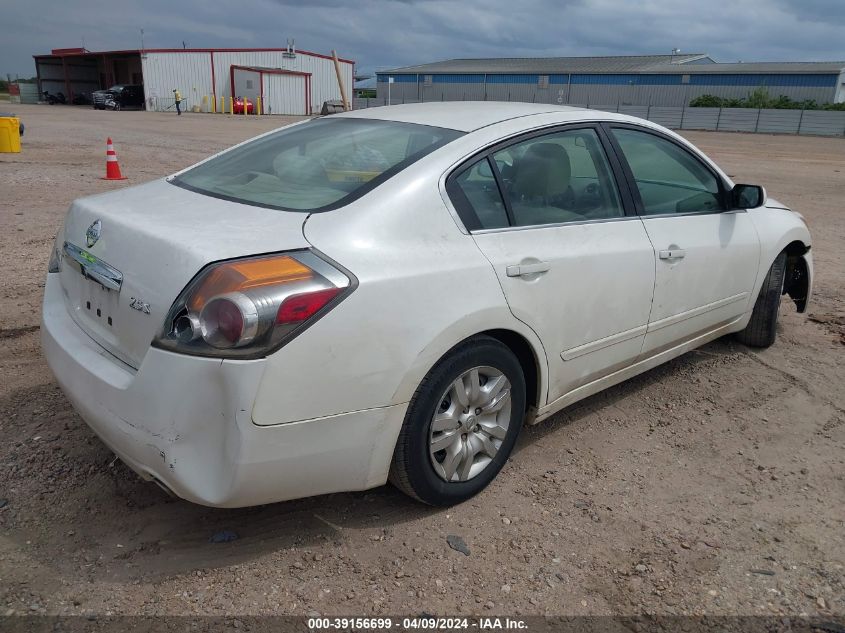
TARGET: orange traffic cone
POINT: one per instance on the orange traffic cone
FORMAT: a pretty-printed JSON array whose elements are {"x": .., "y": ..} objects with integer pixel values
[{"x": 112, "y": 166}]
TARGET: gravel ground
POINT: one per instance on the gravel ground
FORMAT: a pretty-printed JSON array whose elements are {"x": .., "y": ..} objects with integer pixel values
[{"x": 711, "y": 485}]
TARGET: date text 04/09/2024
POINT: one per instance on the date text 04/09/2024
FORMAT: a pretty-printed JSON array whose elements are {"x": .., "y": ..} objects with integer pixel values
[{"x": 416, "y": 623}]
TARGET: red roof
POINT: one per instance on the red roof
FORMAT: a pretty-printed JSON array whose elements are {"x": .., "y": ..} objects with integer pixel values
[{"x": 73, "y": 52}]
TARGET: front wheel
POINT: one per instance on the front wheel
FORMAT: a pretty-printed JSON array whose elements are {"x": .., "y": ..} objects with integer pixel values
[
  {"x": 461, "y": 424},
  {"x": 762, "y": 328}
]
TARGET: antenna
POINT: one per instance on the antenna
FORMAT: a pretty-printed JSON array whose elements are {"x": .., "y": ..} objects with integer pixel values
[
  {"x": 290, "y": 52},
  {"x": 142, "y": 40}
]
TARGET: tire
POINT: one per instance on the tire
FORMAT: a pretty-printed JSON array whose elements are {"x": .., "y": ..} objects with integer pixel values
[
  {"x": 762, "y": 328},
  {"x": 479, "y": 446}
]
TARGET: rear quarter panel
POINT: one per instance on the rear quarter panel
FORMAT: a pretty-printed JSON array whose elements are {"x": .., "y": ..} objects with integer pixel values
[{"x": 423, "y": 286}]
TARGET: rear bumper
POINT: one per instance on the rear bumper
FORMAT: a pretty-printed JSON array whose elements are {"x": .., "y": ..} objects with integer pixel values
[{"x": 187, "y": 422}]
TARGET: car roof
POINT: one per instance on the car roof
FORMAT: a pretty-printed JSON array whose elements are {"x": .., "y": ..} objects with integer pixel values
[{"x": 465, "y": 116}]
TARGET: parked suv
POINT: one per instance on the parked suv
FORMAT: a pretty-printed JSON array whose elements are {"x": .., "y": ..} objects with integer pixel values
[{"x": 119, "y": 96}]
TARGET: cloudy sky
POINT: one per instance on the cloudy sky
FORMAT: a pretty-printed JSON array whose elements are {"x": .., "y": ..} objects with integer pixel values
[{"x": 382, "y": 34}]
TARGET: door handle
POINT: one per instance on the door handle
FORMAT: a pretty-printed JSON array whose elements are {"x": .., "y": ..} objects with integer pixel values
[
  {"x": 675, "y": 253},
  {"x": 522, "y": 270}
]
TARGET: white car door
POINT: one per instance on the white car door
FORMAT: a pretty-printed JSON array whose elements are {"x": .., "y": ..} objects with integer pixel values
[
  {"x": 706, "y": 257},
  {"x": 546, "y": 211}
]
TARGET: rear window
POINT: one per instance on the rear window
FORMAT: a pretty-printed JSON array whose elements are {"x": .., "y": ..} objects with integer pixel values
[{"x": 316, "y": 166}]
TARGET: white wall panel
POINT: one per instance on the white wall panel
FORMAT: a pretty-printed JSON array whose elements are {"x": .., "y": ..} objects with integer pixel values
[
  {"x": 188, "y": 72},
  {"x": 247, "y": 84},
  {"x": 283, "y": 94},
  {"x": 323, "y": 79},
  {"x": 191, "y": 73}
]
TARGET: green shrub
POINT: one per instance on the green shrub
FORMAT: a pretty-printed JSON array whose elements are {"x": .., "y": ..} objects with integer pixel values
[{"x": 759, "y": 98}]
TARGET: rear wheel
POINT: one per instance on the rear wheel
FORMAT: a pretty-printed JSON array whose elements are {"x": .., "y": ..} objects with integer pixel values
[
  {"x": 461, "y": 424},
  {"x": 762, "y": 328}
]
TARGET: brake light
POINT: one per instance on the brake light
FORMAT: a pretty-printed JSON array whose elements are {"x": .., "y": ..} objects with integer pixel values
[
  {"x": 248, "y": 308},
  {"x": 298, "y": 308}
]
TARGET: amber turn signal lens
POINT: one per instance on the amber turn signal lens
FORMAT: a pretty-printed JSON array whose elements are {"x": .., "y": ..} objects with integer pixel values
[{"x": 245, "y": 274}]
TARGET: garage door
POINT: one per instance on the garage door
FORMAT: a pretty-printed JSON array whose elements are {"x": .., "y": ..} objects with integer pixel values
[{"x": 285, "y": 93}]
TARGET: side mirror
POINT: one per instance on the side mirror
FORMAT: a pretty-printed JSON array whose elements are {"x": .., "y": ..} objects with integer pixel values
[{"x": 747, "y": 196}]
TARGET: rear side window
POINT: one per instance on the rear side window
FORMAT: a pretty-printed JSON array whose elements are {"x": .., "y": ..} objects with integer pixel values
[
  {"x": 555, "y": 178},
  {"x": 669, "y": 179},
  {"x": 315, "y": 166},
  {"x": 476, "y": 196},
  {"x": 559, "y": 177}
]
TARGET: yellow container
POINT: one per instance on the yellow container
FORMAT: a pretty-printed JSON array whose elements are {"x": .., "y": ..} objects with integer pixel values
[{"x": 10, "y": 134}]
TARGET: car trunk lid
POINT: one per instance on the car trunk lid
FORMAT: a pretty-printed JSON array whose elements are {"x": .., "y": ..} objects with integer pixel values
[{"x": 128, "y": 254}]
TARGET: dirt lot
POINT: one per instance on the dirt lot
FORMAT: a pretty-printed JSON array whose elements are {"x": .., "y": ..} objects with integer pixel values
[{"x": 714, "y": 484}]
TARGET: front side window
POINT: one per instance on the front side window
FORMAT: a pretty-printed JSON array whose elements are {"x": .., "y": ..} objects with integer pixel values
[
  {"x": 558, "y": 177},
  {"x": 315, "y": 166},
  {"x": 668, "y": 178}
]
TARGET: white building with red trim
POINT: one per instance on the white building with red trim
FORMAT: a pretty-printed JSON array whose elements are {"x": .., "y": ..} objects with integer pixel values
[{"x": 288, "y": 81}]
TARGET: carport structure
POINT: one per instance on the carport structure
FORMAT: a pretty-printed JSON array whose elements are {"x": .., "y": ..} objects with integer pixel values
[
  {"x": 79, "y": 71},
  {"x": 282, "y": 91}
]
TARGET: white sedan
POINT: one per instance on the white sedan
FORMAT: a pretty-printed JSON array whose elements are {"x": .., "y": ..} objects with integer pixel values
[{"x": 392, "y": 293}]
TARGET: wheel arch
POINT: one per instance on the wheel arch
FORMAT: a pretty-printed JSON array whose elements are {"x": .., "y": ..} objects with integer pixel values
[
  {"x": 517, "y": 337},
  {"x": 528, "y": 360},
  {"x": 796, "y": 282},
  {"x": 781, "y": 230}
]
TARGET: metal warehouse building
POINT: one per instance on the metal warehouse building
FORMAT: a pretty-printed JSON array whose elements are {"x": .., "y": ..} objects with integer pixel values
[
  {"x": 289, "y": 81},
  {"x": 648, "y": 80}
]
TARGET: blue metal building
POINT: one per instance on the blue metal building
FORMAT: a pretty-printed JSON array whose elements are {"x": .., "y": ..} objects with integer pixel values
[{"x": 647, "y": 80}]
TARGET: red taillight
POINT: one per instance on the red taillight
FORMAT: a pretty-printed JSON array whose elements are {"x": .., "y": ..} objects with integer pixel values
[
  {"x": 303, "y": 306},
  {"x": 248, "y": 308},
  {"x": 223, "y": 320}
]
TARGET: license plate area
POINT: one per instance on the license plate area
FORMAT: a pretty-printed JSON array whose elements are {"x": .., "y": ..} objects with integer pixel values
[
  {"x": 92, "y": 291},
  {"x": 97, "y": 304}
]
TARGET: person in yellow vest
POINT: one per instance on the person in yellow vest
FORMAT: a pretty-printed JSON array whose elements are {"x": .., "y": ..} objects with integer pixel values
[{"x": 177, "y": 96}]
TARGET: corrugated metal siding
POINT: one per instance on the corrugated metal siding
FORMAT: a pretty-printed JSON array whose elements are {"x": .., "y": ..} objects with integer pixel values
[
  {"x": 779, "y": 121},
  {"x": 820, "y": 122},
  {"x": 807, "y": 80},
  {"x": 738, "y": 120},
  {"x": 627, "y": 79},
  {"x": 284, "y": 94},
  {"x": 513, "y": 79},
  {"x": 401, "y": 93},
  {"x": 191, "y": 73},
  {"x": 323, "y": 78},
  {"x": 667, "y": 117},
  {"x": 824, "y": 123},
  {"x": 624, "y": 89},
  {"x": 398, "y": 79},
  {"x": 637, "y": 111},
  {"x": 528, "y": 93},
  {"x": 701, "y": 118}
]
